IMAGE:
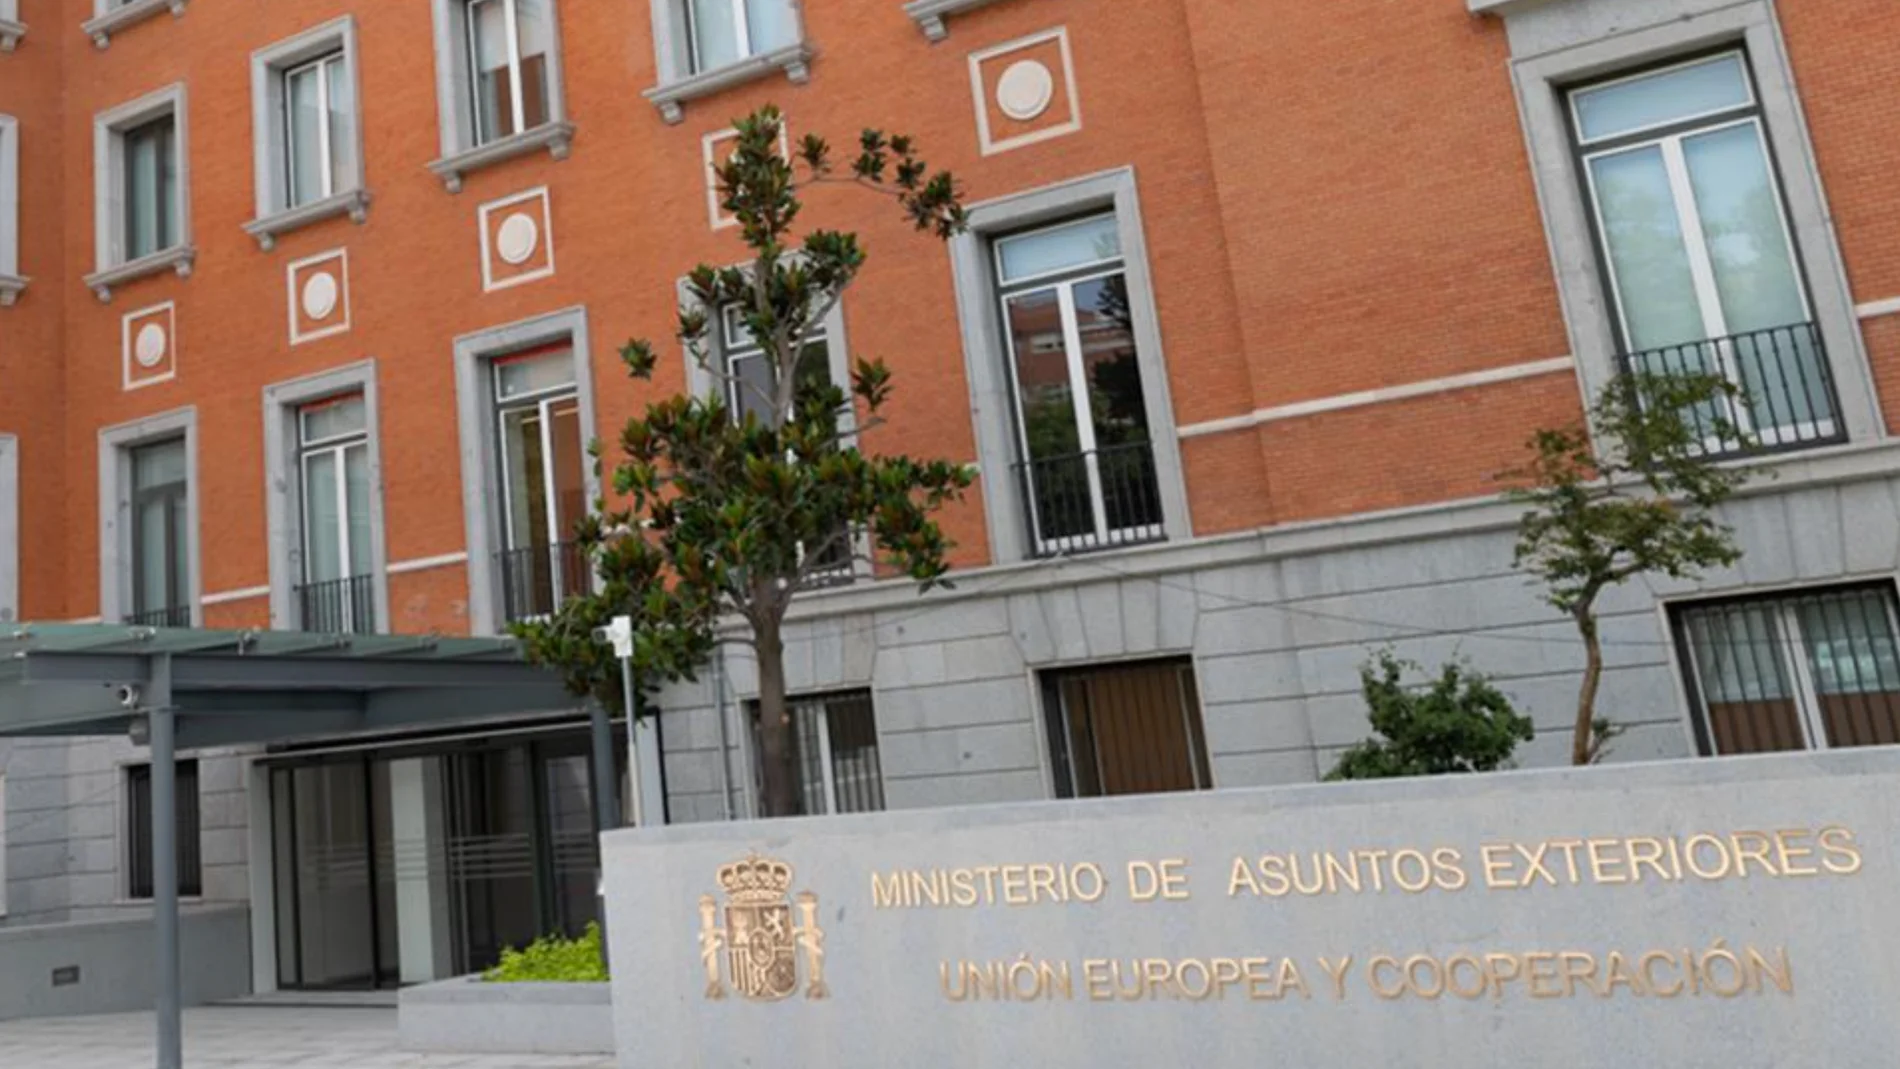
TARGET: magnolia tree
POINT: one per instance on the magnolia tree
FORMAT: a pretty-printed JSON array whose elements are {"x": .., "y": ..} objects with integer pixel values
[
  {"x": 736, "y": 501},
  {"x": 1639, "y": 503}
]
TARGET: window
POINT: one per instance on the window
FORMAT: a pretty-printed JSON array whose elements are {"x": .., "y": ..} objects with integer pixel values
[
  {"x": 308, "y": 126},
  {"x": 141, "y": 203},
  {"x": 337, "y": 592},
  {"x": 1125, "y": 729},
  {"x": 138, "y": 830},
  {"x": 1804, "y": 671},
  {"x": 1087, "y": 460},
  {"x": 317, "y": 119},
  {"x": 11, "y": 30},
  {"x": 704, "y": 47},
  {"x": 112, "y": 16},
  {"x": 836, "y": 740},
  {"x": 723, "y": 32},
  {"x": 1697, "y": 250},
  {"x": 10, "y": 281},
  {"x": 541, "y": 452},
  {"x": 499, "y": 80},
  {"x": 160, "y": 536}
]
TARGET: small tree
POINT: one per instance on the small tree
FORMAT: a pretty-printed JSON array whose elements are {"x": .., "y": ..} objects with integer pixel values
[
  {"x": 739, "y": 508},
  {"x": 1458, "y": 722},
  {"x": 1639, "y": 503}
]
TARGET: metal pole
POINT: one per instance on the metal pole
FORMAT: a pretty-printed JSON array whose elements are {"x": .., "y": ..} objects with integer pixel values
[
  {"x": 606, "y": 807},
  {"x": 632, "y": 702},
  {"x": 164, "y": 816}
]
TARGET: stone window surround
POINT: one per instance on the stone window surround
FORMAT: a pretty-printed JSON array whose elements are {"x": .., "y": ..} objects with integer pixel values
[
  {"x": 455, "y": 118},
  {"x": 475, "y": 432},
  {"x": 107, "y": 19},
  {"x": 269, "y": 132},
  {"x": 11, "y": 30},
  {"x": 984, "y": 347},
  {"x": 109, "y": 191},
  {"x": 115, "y": 507},
  {"x": 11, "y": 282},
  {"x": 933, "y": 16},
  {"x": 283, "y": 485},
  {"x": 9, "y": 544},
  {"x": 1583, "y": 51},
  {"x": 679, "y": 85},
  {"x": 837, "y": 347}
]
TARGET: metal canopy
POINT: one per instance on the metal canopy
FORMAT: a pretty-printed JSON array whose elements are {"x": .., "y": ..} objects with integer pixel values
[
  {"x": 231, "y": 687},
  {"x": 190, "y": 688}
]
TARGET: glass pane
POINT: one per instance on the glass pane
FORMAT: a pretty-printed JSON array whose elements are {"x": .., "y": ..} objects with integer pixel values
[
  {"x": 854, "y": 759},
  {"x": 323, "y": 533},
  {"x": 159, "y": 464},
  {"x": 519, "y": 376},
  {"x": 151, "y": 556},
  {"x": 356, "y": 494},
  {"x": 771, "y": 24},
  {"x": 1124, "y": 460},
  {"x": 524, "y": 479},
  {"x": 1741, "y": 218},
  {"x": 144, "y": 191},
  {"x": 535, "y": 27},
  {"x": 180, "y": 564},
  {"x": 1661, "y": 98},
  {"x": 1851, "y": 652},
  {"x": 1061, "y": 248},
  {"x": 1647, "y": 253},
  {"x": 575, "y": 850},
  {"x": 1744, "y": 678},
  {"x": 749, "y": 390},
  {"x": 303, "y": 100},
  {"x": 342, "y": 120},
  {"x": 333, "y": 894},
  {"x": 715, "y": 34},
  {"x": 1056, "y": 474},
  {"x": 337, "y": 417},
  {"x": 808, "y": 719},
  {"x": 565, "y": 447},
  {"x": 494, "y": 96}
]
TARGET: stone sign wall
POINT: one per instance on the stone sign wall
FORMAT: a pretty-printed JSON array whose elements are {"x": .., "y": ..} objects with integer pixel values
[{"x": 1734, "y": 913}]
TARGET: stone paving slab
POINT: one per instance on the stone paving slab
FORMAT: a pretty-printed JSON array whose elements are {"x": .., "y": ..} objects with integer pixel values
[{"x": 247, "y": 1037}]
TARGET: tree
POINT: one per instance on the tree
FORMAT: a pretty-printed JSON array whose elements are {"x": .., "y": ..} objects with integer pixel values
[
  {"x": 739, "y": 501},
  {"x": 1640, "y": 503},
  {"x": 1458, "y": 722}
]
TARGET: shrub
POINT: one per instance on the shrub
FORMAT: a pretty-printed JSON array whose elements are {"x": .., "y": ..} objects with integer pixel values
[
  {"x": 553, "y": 959},
  {"x": 1457, "y": 723}
]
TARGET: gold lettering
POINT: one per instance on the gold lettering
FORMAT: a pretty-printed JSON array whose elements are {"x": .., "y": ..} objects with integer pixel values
[
  {"x": 1420, "y": 880},
  {"x": 1195, "y": 992},
  {"x": 887, "y": 895},
  {"x": 1375, "y": 863},
  {"x": 1619, "y": 972},
  {"x": 1259, "y": 981},
  {"x": 1015, "y": 885},
  {"x": 1569, "y": 847},
  {"x": 1648, "y": 966},
  {"x": 960, "y": 992},
  {"x": 1095, "y": 874},
  {"x": 1226, "y": 973},
  {"x": 988, "y": 872},
  {"x": 1843, "y": 856},
  {"x": 1042, "y": 881},
  {"x": 1173, "y": 873},
  {"x": 963, "y": 887},
  {"x": 1578, "y": 965},
  {"x": 1596, "y": 847},
  {"x": 1338, "y": 872},
  {"x": 1534, "y": 864},
  {"x": 1648, "y": 852},
  {"x": 1448, "y": 869},
  {"x": 1372, "y": 977},
  {"x": 1095, "y": 979},
  {"x": 1435, "y": 975},
  {"x": 1494, "y": 965},
  {"x": 1752, "y": 846},
  {"x": 1477, "y": 970},
  {"x": 1790, "y": 853},
  {"x": 1242, "y": 875},
  {"x": 1273, "y": 876},
  {"x": 1155, "y": 975},
  {"x": 1777, "y": 972},
  {"x": 1144, "y": 883},
  {"x": 1690, "y": 847},
  {"x": 1337, "y": 972},
  {"x": 1539, "y": 977},
  {"x": 1495, "y": 865},
  {"x": 1319, "y": 877}
]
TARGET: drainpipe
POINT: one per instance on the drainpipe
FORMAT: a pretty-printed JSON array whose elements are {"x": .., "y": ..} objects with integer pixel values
[{"x": 725, "y": 755}]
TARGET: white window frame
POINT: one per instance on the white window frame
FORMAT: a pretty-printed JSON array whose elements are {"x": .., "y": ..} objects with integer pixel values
[
  {"x": 675, "y": 48},
  {"x": 114, "y": 16},
  {"x": 455, "y": 101},
  {"x": 283, "y": 486},
  {"x": 11, "y": 281},
  {"x": 337, "y": 447},
  {"x": 819, "y": 705},
  {"x": 109, "y": 128},
  {"x": 270, "y": 130},
  {"x": 986, "y": 350},
  {"x": 933, "y": 16},
  {"x": 115, "y": 509},
  {"x": 11, "y": 31},
  {"x": 1806, "y": 693}
]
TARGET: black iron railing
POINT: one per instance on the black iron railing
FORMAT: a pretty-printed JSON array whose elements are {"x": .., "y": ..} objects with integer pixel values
[
  {"x": 338, "y": 606},
  {"x": 1086, "y": 501},
  {"x": 1784, "y": 395},
  {"x": 171, "y": 616},
  {"x": 536, "y": 580}
]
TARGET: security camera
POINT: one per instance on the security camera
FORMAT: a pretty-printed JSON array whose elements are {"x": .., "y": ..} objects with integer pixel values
[{"x": 129, "y": 695}]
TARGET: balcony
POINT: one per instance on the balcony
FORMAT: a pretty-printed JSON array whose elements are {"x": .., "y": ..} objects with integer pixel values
[
  {"x": 338, "y": 606},
  {"x": 172, "y": 616},
  {"x": 1102, "y": 499},
  {"x": 536, "y": 580},
  {"x": 1785, "y": 397}
]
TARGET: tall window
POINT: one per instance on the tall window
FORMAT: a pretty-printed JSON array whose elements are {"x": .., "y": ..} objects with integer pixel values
[
  {"x": 751, "y": 382},
  {"x": 837, "y": 759},
  {"x": 333, "y": 446},
  {"x": 150, "y": 159},
  {"x": 1700, "y": 259},
  {"x": 509, "y": 42},
  {"x": 1797, "y": 672},
  {"x": 726, "y": 31},
  {"x": 1088, "y": 467},
  {"x": 318, "y": 140},
  {"x": 138, "y": 830},
  {"x": 543, "y": 479},
  {"x": 160, "y": 535},
  {"x": 1126, "y": 729}
]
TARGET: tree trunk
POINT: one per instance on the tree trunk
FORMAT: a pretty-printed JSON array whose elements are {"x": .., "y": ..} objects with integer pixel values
[
  {"x": 777, "y": 758},
  {"x": 1581, "y": 749}
]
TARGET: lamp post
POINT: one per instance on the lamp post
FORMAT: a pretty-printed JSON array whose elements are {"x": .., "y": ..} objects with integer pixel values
[{"x": 643, "y": 750}]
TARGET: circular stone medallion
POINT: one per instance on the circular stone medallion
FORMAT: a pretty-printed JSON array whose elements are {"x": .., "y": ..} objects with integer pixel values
[
  {"x": 319, "y": 295},
  {"x": 517, "y": 237},
  {"x": 149, "y": 347},
  {"x": 1025, "y": 90}
]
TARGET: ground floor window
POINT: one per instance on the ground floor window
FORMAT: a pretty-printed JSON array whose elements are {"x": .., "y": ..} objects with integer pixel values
[
  {"x": 138, "y": 830},
  {"x": 837, "y": 757},
  {"x": 1125, "y": 729},
  {"x": 1807, "y": 670}
]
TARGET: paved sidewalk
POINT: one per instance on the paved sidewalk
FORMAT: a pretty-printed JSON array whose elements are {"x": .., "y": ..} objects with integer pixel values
[{"x": 247, "y": 1037}]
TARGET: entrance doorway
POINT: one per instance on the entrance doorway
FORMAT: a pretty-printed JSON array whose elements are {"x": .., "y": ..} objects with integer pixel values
[{"x": 401, "y": 866}]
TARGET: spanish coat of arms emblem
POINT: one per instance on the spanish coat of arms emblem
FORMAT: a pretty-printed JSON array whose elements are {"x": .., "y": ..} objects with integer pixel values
[{"x": 762, "y": 939}]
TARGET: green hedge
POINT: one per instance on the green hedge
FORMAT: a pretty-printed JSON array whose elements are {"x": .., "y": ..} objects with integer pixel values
[{"x": 553, "y": 959}]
